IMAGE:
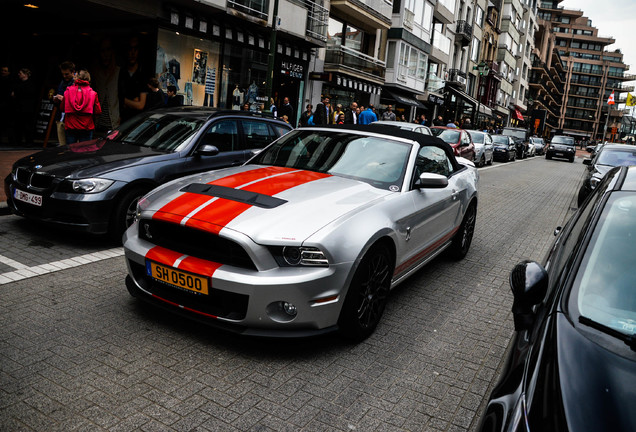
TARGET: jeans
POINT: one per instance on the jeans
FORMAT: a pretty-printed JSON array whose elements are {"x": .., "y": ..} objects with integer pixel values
[{"x": 78, "y": 135}]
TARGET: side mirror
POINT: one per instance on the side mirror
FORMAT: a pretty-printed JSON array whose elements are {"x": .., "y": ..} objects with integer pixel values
[
  {"x": 208, "y": 150},
  {"x": 431, "y": 181},
  {"x": 587, "y": 161},
  {"x": 529, "y": 284}
]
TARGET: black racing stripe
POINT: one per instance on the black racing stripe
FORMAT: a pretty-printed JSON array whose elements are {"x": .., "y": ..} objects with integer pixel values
[{"x": 252, "y": 198}]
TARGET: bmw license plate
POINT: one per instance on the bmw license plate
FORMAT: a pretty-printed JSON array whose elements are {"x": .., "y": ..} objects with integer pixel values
[
  {"x": 178, "y": 278},
  {"x": 27, "y": 197},
  {"x": 558, "y": 154}
]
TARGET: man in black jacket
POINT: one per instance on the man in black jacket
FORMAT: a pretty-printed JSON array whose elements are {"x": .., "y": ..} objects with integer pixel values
[
  {"x": 351, "y": 116},
  {"x": 287, "y": 110},
  {"x": 320, "y": 116}
]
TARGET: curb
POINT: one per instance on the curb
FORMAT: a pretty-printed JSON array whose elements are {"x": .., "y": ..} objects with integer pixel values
[{"x": 4, "y": 208}]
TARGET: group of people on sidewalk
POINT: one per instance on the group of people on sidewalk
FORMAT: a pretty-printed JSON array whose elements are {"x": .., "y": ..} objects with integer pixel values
[{"x": 325, "y": 114}]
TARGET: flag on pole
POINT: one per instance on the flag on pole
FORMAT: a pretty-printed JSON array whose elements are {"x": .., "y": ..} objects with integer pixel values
[
  {"x": 631, "y": 100},
  {"x": 610, "y": 101}
]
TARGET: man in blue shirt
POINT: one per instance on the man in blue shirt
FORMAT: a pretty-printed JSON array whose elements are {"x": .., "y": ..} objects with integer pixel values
[{"x": 367, "y": 116}]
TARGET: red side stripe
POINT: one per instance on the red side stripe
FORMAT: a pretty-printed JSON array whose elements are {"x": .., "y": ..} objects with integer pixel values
[
  {"x": 199, "y": 266},
  {"x": 425, "y": 252}
]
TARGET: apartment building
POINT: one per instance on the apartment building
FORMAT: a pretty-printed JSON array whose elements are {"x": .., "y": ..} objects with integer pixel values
[
  {"x": 592, "y": 74},
  {"x": 489, "y": 79}
]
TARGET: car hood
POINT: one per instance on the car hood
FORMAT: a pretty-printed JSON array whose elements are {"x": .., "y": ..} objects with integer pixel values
[
  {"x": 596, "y": 384},
  {"x": 286, "y": 205},
  {"x": 90, "y": 158},
  {"x": 503, "y": 146}
]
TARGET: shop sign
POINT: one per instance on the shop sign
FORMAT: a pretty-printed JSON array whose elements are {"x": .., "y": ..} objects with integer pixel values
[
  {"x": 436, "y": 99},
  {"x": 292, "y": 70}
]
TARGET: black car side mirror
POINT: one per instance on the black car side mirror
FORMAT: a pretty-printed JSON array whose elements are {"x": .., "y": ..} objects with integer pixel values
[
  {"x": 208, "y": 150},
  {"x": 529, "y": 284},
  {"x": 587, "y": 161}
]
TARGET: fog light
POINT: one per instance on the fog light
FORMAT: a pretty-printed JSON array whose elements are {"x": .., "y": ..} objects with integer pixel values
[{"x": 290, "y": 309}]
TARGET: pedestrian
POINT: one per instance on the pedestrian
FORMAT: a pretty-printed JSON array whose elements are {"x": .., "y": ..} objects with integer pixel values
[
  {"x": 367, "y": 116},
  {"x": 423, "y": 120},
  {"x": 172, "y": 98},
  {"x": 337, "y": 112},
  {"x": 105, "y": 81},
  {"x": 403, "y": 118},
  {"x": 156, "y": 98},
  {"x": 450, "y": 124},
  {"x": 467, "y": 124},
  {"x": 351, "y": 115},
  {"x": 439, "y": 121},
  {"x": 285, "y": 118},
  {"x": 80, "y": 105},
  {"x": 67, "y": 69},
  {"x": 388, "y": 114},
  {"x": 321, "y": 114},
  {"x": 287, "y": 109},
  {"x": 272, "y": 108},
  {"x": 340, "y": 119},
  {"x": 24, "y": 106},
  {"x": 246, "y": 107},
  {"x": 304, "y": 117},
  {"x": 132, "y": 82},
  {"x": 6, "y": 113}
]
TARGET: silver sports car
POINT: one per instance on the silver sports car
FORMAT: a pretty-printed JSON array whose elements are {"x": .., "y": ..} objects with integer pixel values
[{"x": 308, "y": 236}]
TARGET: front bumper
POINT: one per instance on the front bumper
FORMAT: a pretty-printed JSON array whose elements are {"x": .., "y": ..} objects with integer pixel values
[{"x": 243, "y": 300}]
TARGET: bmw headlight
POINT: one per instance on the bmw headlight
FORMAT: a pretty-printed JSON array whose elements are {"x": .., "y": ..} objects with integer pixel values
[
  {"x": 91, "y": 185},
  {"x": 293, "y": 256}
]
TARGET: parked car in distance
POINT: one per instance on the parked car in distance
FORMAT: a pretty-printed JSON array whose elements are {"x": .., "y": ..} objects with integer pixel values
[
  {"x": 459, "y": 140},
  {"x": 94, "y": 186},
  {"x": 612, "y": 155},
  {"x": 504, "y": 148},
  {"x": 521, "y": 147},
  {"x": 572, "y": 359},
  {"x": 404, "y": 125},
  {"x": 258, "y": 249},
  {"x": 484, "y": 154},
  {"x": 531, "y": 150},
  {"x": 520, "y": 136},
  {"x": 539, "y": 145},
  {"x": 561, "y": 146}
]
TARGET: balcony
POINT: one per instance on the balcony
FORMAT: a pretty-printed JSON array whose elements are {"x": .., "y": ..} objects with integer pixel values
[
  {"x": 368, "y": 15},
  {"x": 621, "y": 87},
  {"x": 355, "y": 63},
  {"x": 253, "y": 8},
  {"x": 409, "y": 17},
  {"x": 456, "y": 78},
  {"x": 463, "y": 33},
  {"x": 317, "y": 20}
]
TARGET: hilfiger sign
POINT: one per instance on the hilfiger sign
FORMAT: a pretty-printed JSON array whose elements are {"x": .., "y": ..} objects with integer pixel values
[{"x": 292, "y": 70}]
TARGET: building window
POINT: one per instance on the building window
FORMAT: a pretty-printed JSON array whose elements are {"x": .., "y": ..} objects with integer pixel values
[
  {"x": 479, "y": 16},
  {"x": 474, "y": 53}
]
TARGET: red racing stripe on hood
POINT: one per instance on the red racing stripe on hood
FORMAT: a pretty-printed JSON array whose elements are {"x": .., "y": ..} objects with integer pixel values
[
  {"x": 188, "y": 263},
  {"x": 223, "y": 211},
  {"x": 187, "y": 202}
]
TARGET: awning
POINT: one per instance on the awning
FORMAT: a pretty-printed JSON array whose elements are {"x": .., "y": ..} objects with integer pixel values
[
  {"x": 485, "y": 110},
  {"x": 517, "y": 114},
  {"x": 460, "y": 94},
  {"x": 404, "y": 100}
]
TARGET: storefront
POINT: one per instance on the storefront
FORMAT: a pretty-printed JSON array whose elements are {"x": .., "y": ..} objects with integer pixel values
[
  {"x": 290, "y": 72},
  {"x": 344, "y": 89},
  {"x": 403, "y": 104},
  {"x": 458, "y": 105}
]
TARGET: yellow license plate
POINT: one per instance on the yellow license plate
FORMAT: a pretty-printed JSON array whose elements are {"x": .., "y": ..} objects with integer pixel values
[{"x": 179, "y": 279}]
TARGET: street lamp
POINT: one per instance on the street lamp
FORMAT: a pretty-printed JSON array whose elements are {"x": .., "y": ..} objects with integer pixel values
[{"x": 483, "y": 69}]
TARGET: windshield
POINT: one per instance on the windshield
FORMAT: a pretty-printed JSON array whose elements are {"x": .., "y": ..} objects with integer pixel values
[
  {"x": 617, "y": 157},
  {"x": 500, "y": 139},
  {"x": 158, "y": 131},
  {"x": 378, "y": 161},
  {"x": 562, "y": 140},
  {"x": 607, "y": 282},
  {"x": 449, "y": 135},
  {"x": 477, "y": 137}
]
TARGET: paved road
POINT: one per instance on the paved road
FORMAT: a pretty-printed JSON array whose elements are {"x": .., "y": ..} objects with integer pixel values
[{"x": 78, "y": 353}]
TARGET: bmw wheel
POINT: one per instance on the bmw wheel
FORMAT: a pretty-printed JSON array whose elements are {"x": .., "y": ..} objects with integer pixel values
[
  {"x": 367, "y": 295},
  {"x": 464, "y": 236},
  {"x": 124, "y": 213}
]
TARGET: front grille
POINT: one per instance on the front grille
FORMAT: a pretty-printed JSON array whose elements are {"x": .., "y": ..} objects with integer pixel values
[
  {"x": 194, "y": 242},
  {"x": 219, "y": 303},
  {"x": 34, "y": 179}
]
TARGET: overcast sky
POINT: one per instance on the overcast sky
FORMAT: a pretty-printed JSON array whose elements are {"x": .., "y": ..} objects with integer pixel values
[{"x": 616, "y": 18}]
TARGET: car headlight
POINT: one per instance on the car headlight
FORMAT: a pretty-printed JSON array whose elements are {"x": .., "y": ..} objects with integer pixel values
[
  {"x": 570, "y": 149},
  {"x": 293, "y": 256},
  {"x": 91, "y": 185},
  {"x": 519, "y": 417}
]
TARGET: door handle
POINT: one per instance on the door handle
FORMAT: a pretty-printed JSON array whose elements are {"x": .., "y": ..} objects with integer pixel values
[{"x": 455, "y": 194}]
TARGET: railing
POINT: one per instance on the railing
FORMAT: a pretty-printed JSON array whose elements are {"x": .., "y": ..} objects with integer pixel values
[
  {"x": 584, "y": 94},
  {"x": 586, "y": 81},
  {"x": 434, "y": 83},
  {"x": 456, "y": 75},
  {"x": 464, "y": 29},
  {"x": 409, "y": 17},
  {"x": 622, "y": 75},
  {"x": 257, "y": 8},
  {"x": 383, "y": 7},
  {"x": 317, "y": 20},
  {"x": 441, "y": 42},
  {"x": 593, "y": 71},
  {"x": 585, "y": 105},
  {"x": 352, "y": 59}
]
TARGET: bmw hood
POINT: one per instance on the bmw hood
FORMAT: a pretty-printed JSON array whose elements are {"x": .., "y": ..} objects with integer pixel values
[
  {"x": 596, "y": 383},
  {"x": 265, "y": 203},
  {"x": 89, "y": 159}
]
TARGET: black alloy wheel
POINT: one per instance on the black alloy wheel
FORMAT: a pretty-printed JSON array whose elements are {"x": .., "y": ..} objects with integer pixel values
[
  {"x": 368, "y": 294},
  {"x": 124, "y": 213},
  {"x": 464, "y": 236},
  {"x": 482, "y": 161}
]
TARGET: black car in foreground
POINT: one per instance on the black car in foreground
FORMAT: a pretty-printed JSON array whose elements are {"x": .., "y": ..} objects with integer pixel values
[
  {"x": 572, "y": 361},
  {"x": 561, "y": 146},
  {"x": 94, "y": 186},
  {"x": 610, "y": 156}
]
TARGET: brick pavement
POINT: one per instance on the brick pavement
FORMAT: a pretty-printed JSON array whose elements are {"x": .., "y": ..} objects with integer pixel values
[{"x": 78, "y": 353}]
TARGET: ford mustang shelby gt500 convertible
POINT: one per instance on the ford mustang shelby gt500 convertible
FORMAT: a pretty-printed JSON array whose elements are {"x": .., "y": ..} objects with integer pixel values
[{"x": 308, "y": 236}]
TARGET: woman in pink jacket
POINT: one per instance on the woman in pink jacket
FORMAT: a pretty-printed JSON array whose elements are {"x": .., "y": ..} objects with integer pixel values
[{"x": 80, "y": 105}]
